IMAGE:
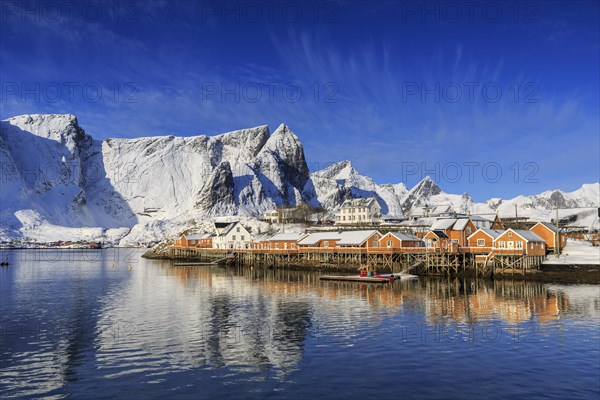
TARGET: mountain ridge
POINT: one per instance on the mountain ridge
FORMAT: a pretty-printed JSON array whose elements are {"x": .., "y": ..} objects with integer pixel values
[{"x": 58, "y": 181}]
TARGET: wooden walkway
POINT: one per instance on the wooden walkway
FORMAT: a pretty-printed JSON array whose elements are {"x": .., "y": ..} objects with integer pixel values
[{"x": 484, "y": 262}]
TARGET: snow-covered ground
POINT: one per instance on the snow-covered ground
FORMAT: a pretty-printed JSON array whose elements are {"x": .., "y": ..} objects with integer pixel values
[{"x": 577, "y": 252}]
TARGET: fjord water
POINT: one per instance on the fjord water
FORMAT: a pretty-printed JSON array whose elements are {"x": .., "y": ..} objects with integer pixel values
[{"x": 82, "y": 323}]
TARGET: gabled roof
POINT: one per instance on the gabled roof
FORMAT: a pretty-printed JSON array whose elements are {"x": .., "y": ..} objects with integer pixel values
[
  {"x": 262, "y": 237},
  {"x": 440, "y": 234},
  {"x": 357, "y": 238},
  {"x": 421, "y": 221},
  {"x": 316, "y": 237},
  {"x": 548, "y": 225},
  {"x": 493, "y": 233},
  {"x": 460, "y": 224},
  {"x": 405, "y": 236},
  {"x": 290, "y": 236},
  {"x": 525, "y": 234},
  {"x": 443, "y": 209},
  {"x": 228, "y": 228},
  {"x": 443, "y": 224}
]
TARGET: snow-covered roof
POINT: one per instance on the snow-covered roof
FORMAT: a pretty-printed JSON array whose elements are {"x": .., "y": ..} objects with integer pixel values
[
  {"x": 443, "y": 224},
  {"x": 198, "y": 236},
  {"x": 289, "y": 236},
  {"x": 316, "y": 237},
  {"x": 527, "y": 235},
  {"x": 350, "y": 238},
  {"x": 262, "y": 237},
  {"x": 405, "y": 236},
  {"x": 493, "y": 233},
  {"x": 442, "y": 209},
  {"x": 228, "y": 228},
  {"x": 460, "y": 224}
]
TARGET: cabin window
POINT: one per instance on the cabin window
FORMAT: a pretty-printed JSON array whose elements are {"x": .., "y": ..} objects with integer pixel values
[
  {"x": 480, "y": 242},
  {"x": 326, "y": 244},
  {"x": 519, "y": 244},
  {"x": 509, "y": 234},
  {"x": 293, "y": 246},
  {"x": 501, "y": 244},
  {"x": 375, "y": 243},
  {"x": 389, "y": 243},
  {"x": 276, "y": 245},
  {"x": 233, "y": 237},
  {"x": 237, "y": 229},
  {"x": 511, "y": 244},
  {"x": 285, "y": 245},
  {"x": 242, "y": 237},
  {"x": 468, "y": 231}
]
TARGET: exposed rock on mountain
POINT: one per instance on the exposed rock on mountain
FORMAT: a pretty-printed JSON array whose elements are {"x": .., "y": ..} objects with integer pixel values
[{"x": 58, "y": 183}]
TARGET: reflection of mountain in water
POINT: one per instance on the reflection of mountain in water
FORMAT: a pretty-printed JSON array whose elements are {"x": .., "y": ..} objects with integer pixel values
[{"x": 156, "y": 320}]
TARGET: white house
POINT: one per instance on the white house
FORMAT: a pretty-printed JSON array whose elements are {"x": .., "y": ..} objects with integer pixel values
[
  {"x": 359, "y": 211},
  {"x": 231, "y": 235}
]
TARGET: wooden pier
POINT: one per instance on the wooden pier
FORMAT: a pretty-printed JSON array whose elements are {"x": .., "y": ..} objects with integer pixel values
[{"x": 480, "y": 261}]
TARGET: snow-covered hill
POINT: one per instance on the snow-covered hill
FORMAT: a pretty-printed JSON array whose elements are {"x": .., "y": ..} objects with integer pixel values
[{"x": 58, "y": 183}]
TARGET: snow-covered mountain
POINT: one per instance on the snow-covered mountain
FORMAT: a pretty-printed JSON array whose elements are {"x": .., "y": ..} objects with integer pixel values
[
  {"x": 58, "y": 183},
  {"x": 57, "y": 179}
]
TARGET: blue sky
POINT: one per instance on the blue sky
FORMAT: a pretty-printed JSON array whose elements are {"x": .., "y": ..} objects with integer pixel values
[{"x": 460, "y": 91}]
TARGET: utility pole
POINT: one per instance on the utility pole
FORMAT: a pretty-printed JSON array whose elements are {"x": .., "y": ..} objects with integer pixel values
[{"x": 557, "y": 242}]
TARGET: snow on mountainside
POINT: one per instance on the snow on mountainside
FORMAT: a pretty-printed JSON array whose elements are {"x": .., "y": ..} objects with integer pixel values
[
  {"x": 59, "y": 176},
  {"x": 58, "y": 183},
  {"x": 341, "y": 181}
]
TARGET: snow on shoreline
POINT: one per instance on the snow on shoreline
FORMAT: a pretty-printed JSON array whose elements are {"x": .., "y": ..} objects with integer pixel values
[{"x": 577, "y": 252}]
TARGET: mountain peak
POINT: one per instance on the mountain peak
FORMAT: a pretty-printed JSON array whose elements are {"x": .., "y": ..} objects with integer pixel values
[
  {"x": 339, "y": 170},
  {"x": 58, "y": 127}
]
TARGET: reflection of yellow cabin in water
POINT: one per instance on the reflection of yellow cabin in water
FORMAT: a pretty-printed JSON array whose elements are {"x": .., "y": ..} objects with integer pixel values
[
  {"x": 513, "y": 311},
  {"x": 512, "y": 302}
]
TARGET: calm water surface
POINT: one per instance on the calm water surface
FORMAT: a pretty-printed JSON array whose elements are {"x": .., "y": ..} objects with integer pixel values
[{"x": 74, "y": 324}]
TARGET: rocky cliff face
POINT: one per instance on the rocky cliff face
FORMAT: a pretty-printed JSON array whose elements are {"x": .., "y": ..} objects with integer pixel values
[
  {"x": 60, "y": 183},
  {"x": 61, "y": 177}
]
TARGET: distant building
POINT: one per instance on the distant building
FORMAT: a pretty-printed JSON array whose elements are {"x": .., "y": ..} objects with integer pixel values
[
  {"x": 203, "y": 240},
  {"x": 486, "y": 223},
  {"x": 517, "y": 241},
  {"x": 365, "y": 211},
  {"x": 432, "y": 211},
  {"x": 280, "y": 241},
  {"x": 437, "y": 239},
  {"x": 364, "y": 238},
  {"x": 285, "y": 215},
  {"x": 457, "y": 229},
  {"x": 231, "y": 235},
  {"x": 394, "y": 240},
  {"x": 548, "y": 232},
  {"x": 484, "y": 238},
  {"x": 320, "y": 239}
]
